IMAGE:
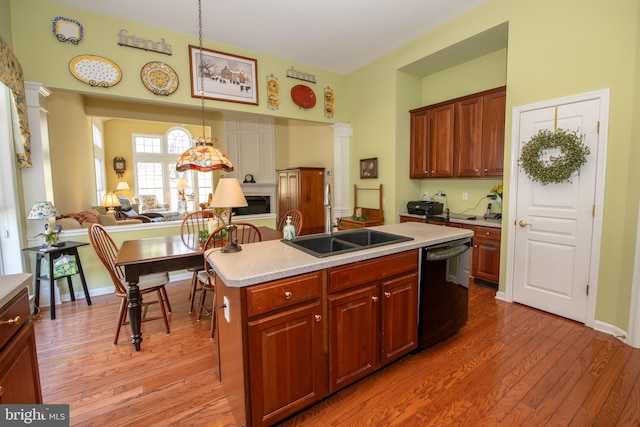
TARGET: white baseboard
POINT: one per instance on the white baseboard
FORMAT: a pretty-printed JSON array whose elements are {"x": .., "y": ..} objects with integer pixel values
[
  {"x": 611, "y": 330},
  {"x": 94, "y": 292}
]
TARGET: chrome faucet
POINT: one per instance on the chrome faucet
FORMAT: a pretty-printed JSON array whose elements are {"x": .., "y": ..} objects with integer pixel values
[{"x": 328, "y": 226}]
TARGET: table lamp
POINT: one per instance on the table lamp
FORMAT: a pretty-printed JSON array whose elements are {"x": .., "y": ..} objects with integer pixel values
[
  {"x": 122, "y": 185},
  {"x": 110, "y": 201},
  {"x": 46, "y": 211},
  {"x": 229, "y": 195}
]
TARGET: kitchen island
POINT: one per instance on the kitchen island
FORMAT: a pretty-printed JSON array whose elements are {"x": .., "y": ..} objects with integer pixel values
[{"x": 294, "y": 328}]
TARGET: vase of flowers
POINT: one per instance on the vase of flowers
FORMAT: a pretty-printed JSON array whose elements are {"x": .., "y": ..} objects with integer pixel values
[
  {"x": 49, "y": 237},
  {"x": 497, "y": 190}
]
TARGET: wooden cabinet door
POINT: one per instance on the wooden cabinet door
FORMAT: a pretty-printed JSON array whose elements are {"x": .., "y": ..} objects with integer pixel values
[
  {"x": 486, "y": 260},
  {"x": 287, "y": 365},
  {"x": 468, "y": 138},
  {"x": 19, "y": 375},
  {"x": 493, "y": 133},
  {"x": 399, "y": 317},
  {"x": 441, "y": 141},
  {"x": 353, "y": 336},
  {"x": 419, "y": 143},
  {"x": 284, "y": 200}
]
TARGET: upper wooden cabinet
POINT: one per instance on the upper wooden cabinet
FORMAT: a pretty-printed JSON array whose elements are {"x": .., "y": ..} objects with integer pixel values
[{"x": 463, "y": 137}]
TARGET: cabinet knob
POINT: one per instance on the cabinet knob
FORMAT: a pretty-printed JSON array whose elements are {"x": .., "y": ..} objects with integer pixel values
[
  {"x": 374, "y": 299},
  {"x": 10, "y": 321},
  {"x": 318, "y": 318},
  {"x": 387, "y": 294},
  {"x": 486, "y": 170},
  {"x": 1, "y": 391},
  {"x": 477, "y": 170},
  {"x": 488, "y": 234},
  {"x": 475, "y": 246},
  {"x": 288, "y": 295}
]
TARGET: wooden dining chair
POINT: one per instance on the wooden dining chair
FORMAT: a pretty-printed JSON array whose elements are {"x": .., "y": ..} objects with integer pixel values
[
  {"x": 107, "y": 252},
  {"x": 245, "y": 233},
  {"x": 190, "y": 231},
  {"x": 296, "y": 220}
]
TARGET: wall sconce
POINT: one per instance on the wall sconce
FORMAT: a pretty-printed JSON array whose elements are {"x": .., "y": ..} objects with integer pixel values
[{"x": 119, "y": 166}]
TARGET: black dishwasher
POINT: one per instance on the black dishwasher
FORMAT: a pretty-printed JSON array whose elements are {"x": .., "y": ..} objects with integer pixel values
[{"x": 444, "y": 290}]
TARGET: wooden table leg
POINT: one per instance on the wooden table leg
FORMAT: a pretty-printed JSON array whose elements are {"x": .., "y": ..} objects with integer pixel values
[
  {"x": 134, "y": 300},
  {"x": 36, "y": 302},
  {"x": 52, "y": 285}
]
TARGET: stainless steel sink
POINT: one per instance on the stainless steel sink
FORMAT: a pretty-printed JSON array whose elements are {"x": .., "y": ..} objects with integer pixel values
[{"x": 323, "y": 245}]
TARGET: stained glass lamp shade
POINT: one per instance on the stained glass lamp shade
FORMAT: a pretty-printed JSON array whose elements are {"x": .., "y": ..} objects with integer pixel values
[{"x": 204, "y": 157}]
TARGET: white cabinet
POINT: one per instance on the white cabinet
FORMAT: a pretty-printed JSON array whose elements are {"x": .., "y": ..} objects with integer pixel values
[{"x": 250, "y": 144}]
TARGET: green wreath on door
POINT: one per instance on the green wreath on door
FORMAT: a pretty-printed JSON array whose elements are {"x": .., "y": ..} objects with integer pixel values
[{"x": 553, "y": 169}]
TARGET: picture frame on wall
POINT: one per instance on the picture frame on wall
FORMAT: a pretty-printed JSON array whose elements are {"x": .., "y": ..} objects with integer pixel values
[
  {"x": 222, "y": 76},
  {"x": 369, "y": 168}
]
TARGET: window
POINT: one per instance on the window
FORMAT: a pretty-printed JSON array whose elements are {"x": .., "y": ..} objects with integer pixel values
[
  {"x": 98, "y": 159},
  {"x": 155, "y": 158}
]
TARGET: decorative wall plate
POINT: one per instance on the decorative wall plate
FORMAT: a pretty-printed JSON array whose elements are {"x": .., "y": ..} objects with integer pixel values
[
  {"x": 67, "y": 29},
  {"x": 95, "y": 70},
  {"x": 159, "y": 78},
  {"x": 303, "y": 96}
]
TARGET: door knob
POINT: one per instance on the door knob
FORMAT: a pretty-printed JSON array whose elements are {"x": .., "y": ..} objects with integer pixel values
[{"x": 523, "y": 223}]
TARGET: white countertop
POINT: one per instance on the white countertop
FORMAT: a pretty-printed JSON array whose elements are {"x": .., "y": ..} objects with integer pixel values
[
  {"x": 271, "y": 260},
  {"x": 11, "y": 285}
]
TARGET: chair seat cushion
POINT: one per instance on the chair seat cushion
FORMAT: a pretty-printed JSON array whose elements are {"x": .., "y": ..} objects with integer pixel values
[{"x": 151, "y": 280}]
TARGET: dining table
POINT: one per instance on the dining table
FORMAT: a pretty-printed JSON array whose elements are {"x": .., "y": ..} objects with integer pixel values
[{"x": 158, "y": 255}]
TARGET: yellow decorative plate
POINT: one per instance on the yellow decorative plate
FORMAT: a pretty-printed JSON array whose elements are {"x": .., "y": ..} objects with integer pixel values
[
  {"x": 159, "y": 78},
  {"x": 95, "y": 70}
]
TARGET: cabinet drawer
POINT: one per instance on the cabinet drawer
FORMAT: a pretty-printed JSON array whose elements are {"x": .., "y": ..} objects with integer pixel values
[
  {"x": 18, "y": 306},
  {"x": 359, "y": 273},
  {"x": 488, "y": 233},
  {"x": 283, "y": 293}
]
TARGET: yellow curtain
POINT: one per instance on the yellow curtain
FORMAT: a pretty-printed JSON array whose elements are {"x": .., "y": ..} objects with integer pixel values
[{"x": 11, "y": 76}]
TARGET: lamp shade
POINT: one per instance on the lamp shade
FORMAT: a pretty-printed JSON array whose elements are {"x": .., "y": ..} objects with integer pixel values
[
  {"x": 110, "y": 200},
  {"x": 204, "y": 157},
  {"x": 122, "y": 185},
  {"x": 42, "y": 210},
  {"x": 228, "y": 194},
  {"x": 182, "y": 183}
]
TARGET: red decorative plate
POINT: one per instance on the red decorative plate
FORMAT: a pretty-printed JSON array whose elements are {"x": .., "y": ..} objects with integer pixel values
[{"x": 303, "y": 96}]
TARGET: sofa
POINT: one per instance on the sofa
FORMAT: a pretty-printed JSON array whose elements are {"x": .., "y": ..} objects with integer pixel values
[
  {"x": 84, "y": 219},
  {"x": 149, "y": 204}
]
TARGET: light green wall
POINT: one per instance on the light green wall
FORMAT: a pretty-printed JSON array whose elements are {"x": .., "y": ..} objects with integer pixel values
[
  {"x": 555, "y": 49},
  {"x": 46, "y": 60},
  {"x": 5, "y": 22}
]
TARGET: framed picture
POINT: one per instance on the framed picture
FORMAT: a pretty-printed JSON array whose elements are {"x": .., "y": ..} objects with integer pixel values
[
  {"x": 224, "y": 77},
  {"x": 369, "y": 168}
]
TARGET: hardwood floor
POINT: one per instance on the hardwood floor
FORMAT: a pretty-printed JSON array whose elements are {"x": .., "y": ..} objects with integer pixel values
[{"x": 510, "y": 365}]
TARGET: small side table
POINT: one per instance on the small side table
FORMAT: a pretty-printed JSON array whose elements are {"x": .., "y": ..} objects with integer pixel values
[{"x": 52, "y": 254}]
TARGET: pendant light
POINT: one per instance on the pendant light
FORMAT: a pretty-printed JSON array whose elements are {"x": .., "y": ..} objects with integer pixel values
[{"x": 204, "y": 157}]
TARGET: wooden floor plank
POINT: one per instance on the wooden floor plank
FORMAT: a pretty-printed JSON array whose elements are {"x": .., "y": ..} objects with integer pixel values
[{"x": 509, "y": 365}]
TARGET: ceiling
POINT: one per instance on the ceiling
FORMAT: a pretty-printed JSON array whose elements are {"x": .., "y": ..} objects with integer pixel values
[{"x": 334, "y": 35}]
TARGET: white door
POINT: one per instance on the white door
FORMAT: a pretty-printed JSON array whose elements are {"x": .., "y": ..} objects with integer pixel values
[{"x": 554, "y": 222}]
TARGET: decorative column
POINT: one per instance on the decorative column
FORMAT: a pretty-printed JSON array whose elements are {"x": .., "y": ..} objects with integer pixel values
[{"x": 342, "y": 132}]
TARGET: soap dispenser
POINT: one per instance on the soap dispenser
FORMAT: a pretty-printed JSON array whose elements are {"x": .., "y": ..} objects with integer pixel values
[{"x": 289, "y": 230}]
